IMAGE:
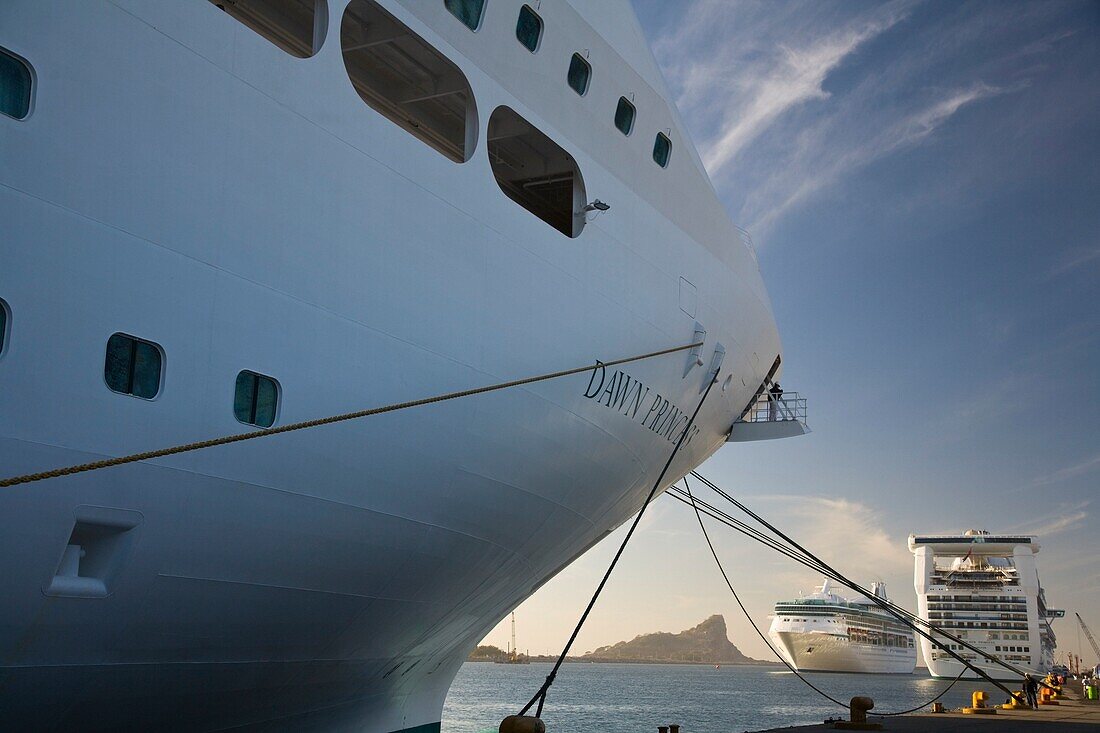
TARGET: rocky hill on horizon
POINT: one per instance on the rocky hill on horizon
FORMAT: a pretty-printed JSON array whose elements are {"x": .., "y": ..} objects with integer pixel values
[{"x": 706, "y": 643}]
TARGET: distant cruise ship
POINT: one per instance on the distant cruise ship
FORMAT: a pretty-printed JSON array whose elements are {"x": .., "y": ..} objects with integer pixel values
[
  {"x": 983, "y": 588},
  {"x": 824, "y": 632}
]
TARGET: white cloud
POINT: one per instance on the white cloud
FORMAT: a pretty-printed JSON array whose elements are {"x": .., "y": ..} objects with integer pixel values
[
  {"x": 848, "y": 535},
  {"x": 817, "y": 163},
  {"x": 1076, "y": 260},
  {"x": 1078, "y": 469},
  {"x": 784, "y": 108},
  {"x": 922, "y": 124},
  {"x": 796, "y": 78},
  {"x": 1067, "y": 518}
]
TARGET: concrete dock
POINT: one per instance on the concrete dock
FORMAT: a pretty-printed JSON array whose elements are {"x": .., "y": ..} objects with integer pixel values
[{"x": 1073, "y": 714}]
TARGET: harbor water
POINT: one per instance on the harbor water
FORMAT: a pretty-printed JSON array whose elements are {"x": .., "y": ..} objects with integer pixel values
[{"x": 634, "y": 698}]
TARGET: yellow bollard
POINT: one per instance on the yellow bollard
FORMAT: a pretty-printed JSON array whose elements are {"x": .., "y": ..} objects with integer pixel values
[
  {"x": 857, "y": 711},
  {"x": 978, "y": 704},
  {"x": 1046, "y": 696},
  {"x": 1017, "y": 702}
]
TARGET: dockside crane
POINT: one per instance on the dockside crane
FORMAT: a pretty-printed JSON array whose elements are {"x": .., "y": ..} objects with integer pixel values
[{"x": 1085, "y": 628}]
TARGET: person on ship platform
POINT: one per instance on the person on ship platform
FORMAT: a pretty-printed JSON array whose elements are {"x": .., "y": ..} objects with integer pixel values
[{"x": 776, "y": 394}]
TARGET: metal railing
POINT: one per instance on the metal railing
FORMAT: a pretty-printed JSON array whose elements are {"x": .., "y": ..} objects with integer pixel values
[{"x": 772, "y": 408}]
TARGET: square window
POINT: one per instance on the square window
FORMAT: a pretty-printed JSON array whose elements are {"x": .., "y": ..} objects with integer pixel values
[
  {"x": 15, "y": 86},
  {"x": 662, "y": 149},
  {"x": 255, "y": 399},
  {"x": 468, "y": 11},
  {"x": 580, "y": 73},
  {"x": 132, "y": 366},
  {"x": 529, "y": 28},
  {"x": 624, "y": 116}
]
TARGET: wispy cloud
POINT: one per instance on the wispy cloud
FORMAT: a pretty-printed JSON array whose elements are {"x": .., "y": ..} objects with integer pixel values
[
  {"x": 796, "y": 78},
  {"x": 1078, "y": 469},
  {"x": 816, "y": 164},
  {"x": 1075, "y": 261},
  {"x": 847, "y": 534},
  {"x": 786, "y": 105},
  {"x": 1065, "y": 519},
  {"x": 922, "y": 124}
]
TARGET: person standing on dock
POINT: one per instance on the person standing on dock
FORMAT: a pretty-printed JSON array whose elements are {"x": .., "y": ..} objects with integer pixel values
[{"x": 1031, "y": 691}]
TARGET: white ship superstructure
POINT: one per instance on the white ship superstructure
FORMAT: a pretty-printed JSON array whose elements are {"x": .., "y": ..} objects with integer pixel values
[
  {"x": 983, "y": 588},
  {"x": 222, "y": 216},
  {"x": 824, "y": 632}
]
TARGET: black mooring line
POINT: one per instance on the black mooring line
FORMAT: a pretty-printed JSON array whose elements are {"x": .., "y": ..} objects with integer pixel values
[{"x": 540, "y": 696}]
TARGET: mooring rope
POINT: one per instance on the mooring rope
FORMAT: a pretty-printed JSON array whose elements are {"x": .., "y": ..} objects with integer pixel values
[
  {"x": 540, "y": 696},
  {"x": 264, "y": 432},
  {"x": 745, "y": 611},
  {"x": 904, "y": 616},
  {"x": 893, "y": 609},
  {"x": 763, "y": 638}
]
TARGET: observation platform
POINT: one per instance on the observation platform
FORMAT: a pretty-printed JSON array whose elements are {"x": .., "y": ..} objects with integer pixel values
[
  {"x": 1073, "y": 714},
  {"x": 770, "y": 417}
]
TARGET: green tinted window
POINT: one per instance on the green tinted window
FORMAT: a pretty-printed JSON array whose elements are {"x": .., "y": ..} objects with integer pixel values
[
  {"x": 528, "y": 28},
  {"x": 15, "y": 86},
  {"x": 468, "y": 11},
  {"x": 579, "y": 74},
  {"x": 662, "y": 149},
  {"x": 255, "y": 399},
  {"x": 624, "y": 116},
  {"x": 132, "y": 366}
]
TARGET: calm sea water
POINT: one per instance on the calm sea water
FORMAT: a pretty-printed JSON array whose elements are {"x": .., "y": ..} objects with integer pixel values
[{"x": 633, "y": 698}]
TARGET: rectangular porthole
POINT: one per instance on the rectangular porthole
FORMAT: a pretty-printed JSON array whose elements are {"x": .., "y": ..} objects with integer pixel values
[
  {"x": 255, "y": 399},
  {"x": 535, "y": 172},
  {"x": 468, "y": 11},
  {"x": 132, "y": 366},
  {"x": 296, "y": 26},
  {"x": 404, "y": 78},
  {"x": 580, "y": 74},
  {"x": 16, "y": 85},
  {"x": 624, "y": 116},
  {"x": 662, "y": 149},
  {"x": 529, "y": 28}
]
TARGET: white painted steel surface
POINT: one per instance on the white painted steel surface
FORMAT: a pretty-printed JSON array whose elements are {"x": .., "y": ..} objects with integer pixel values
[
  {"x": 837, "y": 654},
  {"x": 183, "y": 180},
  {"x": 984, "y": 588},
  {"x": 823, "y": 632}
]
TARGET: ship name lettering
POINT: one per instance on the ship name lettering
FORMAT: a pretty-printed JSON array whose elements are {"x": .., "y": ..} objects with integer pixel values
[{"x": 626, "y": 394}]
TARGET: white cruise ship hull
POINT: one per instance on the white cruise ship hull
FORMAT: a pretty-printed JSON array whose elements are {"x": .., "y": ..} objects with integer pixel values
[
  {"x": 983, "y": 588},
  {"x": 184, "y": 181},
  {"x": 823, "y": 652},
  {"x": 948, "y": 669}
]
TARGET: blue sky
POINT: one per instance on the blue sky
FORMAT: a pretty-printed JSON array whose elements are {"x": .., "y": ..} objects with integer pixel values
[{"x": 922, "y": 180}]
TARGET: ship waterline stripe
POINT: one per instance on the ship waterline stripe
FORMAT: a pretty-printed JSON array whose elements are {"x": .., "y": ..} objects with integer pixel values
[{"x": 426, "y": 728}]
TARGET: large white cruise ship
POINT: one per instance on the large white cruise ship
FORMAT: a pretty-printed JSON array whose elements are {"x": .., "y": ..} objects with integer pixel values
[
  {"x": 222, "y": 216},
  {"x": 824, "y": 632},
  {"x": 984, "y": 589}
]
